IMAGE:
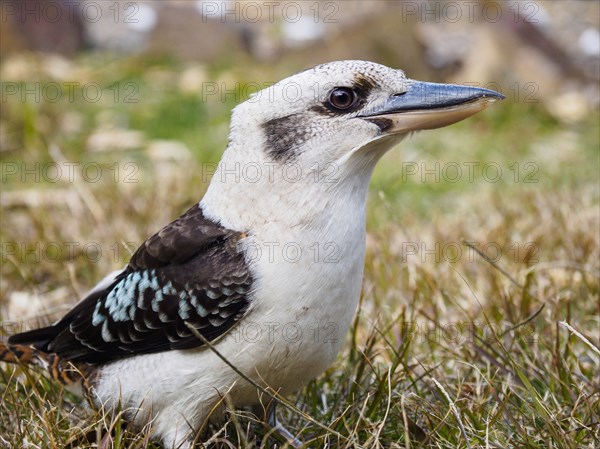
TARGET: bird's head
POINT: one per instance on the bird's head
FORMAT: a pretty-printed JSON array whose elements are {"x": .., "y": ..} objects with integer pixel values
[
  {"x": 328, "y": 113},
  {"x": 339, "y": 117}
]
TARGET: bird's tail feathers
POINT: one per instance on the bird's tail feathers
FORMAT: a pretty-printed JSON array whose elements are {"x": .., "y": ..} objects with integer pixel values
[
  {"x": 35, "y": 337},
  {"x": 64, "y": 371}
]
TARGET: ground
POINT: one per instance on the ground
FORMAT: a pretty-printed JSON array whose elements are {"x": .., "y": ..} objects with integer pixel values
[{"x": 479, "y": 322}]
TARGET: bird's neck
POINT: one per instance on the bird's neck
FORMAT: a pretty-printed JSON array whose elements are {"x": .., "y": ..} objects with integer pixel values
[{"x": 255, "y": 195}]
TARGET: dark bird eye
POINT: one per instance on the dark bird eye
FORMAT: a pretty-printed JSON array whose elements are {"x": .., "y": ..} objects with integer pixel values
[{"x": 342, "y": 98}]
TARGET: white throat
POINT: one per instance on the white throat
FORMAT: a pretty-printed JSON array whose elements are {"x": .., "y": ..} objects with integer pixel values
[{"x": 249, "y": 192}]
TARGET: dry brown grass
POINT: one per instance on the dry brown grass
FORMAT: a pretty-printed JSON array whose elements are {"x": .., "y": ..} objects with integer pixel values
[{"x": 446, "y": 350}]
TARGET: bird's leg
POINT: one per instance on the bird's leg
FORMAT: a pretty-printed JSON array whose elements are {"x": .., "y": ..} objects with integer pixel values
[
  {"x": 105, "y": 442},
  {"x": 271, "y": 422}
]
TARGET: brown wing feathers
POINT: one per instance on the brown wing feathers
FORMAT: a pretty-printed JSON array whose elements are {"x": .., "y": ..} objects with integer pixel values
[{"x": 190, "y": 271}]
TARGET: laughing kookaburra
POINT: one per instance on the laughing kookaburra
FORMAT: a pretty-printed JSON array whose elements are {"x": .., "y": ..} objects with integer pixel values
[{"x": 264, "y": 272}]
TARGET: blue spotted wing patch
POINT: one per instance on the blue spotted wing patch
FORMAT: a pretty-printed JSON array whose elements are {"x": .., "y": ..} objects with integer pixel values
[{"x": 146, "y": 312}]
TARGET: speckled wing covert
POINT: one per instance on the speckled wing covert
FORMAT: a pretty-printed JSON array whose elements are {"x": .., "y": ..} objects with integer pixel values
[{"x": 190, "y": 271}]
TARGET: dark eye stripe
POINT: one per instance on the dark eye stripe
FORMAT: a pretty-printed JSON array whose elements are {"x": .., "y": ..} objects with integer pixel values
[{"x": 284, "y": 136}]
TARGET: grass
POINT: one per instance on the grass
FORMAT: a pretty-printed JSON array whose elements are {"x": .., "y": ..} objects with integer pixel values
[{"x": 448, "y": 349}]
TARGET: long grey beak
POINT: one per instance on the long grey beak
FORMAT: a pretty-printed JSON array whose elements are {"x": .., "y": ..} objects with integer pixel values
[{"x": 429, "y": 105}]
